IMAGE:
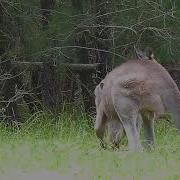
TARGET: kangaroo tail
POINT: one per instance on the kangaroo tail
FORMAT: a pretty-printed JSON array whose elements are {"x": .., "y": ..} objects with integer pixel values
[{"x": 171, "y": 101}]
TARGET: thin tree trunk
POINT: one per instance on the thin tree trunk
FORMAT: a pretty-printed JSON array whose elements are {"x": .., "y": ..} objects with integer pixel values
[
  {"x": 103, "y": 35},
  {"x": 83, "y": 54},
  {"x": 47, "y": 77},
  {"x": 46, "y": 8},
  {"x": 49, "y": 87}
]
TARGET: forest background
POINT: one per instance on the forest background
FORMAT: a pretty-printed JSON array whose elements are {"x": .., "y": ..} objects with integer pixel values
[{"x": 53, "y": 52}]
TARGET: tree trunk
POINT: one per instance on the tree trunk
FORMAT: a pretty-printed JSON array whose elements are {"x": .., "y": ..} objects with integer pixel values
[
  {"x": 77, "y": 4},
  {"x": 49, "y": 87},
  {"x": 103, "y": 35},
  {"x": 83, "y": 55},
  {"x": 46, "y": 8}
]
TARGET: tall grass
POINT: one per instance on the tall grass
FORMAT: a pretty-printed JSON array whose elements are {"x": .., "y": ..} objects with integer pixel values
[{"x": 67, "y": 145}]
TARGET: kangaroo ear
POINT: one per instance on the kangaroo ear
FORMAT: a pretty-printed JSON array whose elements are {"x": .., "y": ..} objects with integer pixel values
[
  {"x": 139, "y": 53},
  {"x": 144, "y": 54},
  {"x": 101, "y": 85},
  {"x": 149, "y": 53}
]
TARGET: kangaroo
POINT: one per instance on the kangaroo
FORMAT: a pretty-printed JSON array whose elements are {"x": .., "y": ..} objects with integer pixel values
[{"x": 136, "y": 87}]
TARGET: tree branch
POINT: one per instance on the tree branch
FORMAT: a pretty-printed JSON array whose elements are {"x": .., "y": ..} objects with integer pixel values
[{"x": 73, "y": 67}]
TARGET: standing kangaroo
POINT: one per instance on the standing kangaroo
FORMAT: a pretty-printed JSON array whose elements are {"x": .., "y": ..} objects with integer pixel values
[{"x": 136, "y": 87}]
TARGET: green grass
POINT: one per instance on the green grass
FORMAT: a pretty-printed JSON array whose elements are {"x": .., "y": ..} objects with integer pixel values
[{"x": 67, "y": 148}]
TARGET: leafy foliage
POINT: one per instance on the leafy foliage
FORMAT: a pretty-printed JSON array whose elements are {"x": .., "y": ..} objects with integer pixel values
[{"x": 152, "y": 23}]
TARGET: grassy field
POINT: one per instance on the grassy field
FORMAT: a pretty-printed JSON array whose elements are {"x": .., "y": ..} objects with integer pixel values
[{"x": 66, "y": 148}]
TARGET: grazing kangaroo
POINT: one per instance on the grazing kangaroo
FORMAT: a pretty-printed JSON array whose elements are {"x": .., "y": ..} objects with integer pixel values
[
  {"x": 114, "y": 125},
  {"x": 136, "y": 87}
]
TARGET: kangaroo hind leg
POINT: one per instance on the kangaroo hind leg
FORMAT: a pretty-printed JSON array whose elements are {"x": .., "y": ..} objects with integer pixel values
[{"x": 127, "y": 111}]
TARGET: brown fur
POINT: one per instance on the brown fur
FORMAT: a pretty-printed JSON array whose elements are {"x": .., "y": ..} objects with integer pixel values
[{"x": 131, "y": 89}]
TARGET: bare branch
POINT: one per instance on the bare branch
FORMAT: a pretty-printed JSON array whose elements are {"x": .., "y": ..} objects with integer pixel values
[{"x": 74, "y": 67}]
